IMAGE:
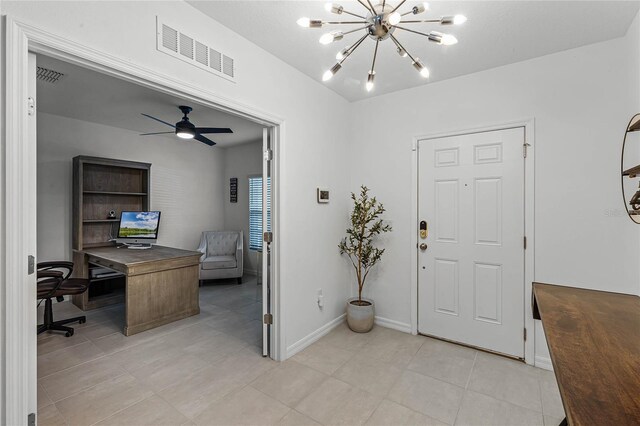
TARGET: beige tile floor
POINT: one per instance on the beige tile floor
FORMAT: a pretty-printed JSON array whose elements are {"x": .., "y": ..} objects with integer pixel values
[{"x": 207, "y": 370}]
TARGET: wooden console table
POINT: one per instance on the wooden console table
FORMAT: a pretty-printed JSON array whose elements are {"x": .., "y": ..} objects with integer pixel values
[
  {"x": 594, "y": 342},
  {"x": 161, "y": 282}
]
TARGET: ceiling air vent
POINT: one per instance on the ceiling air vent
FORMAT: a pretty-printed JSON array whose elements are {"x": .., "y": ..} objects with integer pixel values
[
  {"x": 227, "y": 65},
  {"x": 194, "y": 51},
  {"x": 215, "y": 60},
  {"x": 47, "y": 75},
  {"x": 170, "y": 38}
]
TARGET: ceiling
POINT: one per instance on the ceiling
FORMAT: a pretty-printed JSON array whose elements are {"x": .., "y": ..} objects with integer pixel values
[
  {"x": 99, "y": 98},
  {"x": 497, "y": 33}
]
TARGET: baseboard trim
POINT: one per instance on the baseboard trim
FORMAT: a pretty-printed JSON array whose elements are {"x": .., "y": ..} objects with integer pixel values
[
  {"x": 395, "y": 325},
  {"x": 314, "y": 336},
  {"x": 543, "y": 362}
]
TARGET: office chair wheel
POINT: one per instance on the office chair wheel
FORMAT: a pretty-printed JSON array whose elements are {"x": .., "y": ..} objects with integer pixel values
[
  {"x": 82, "y": 321},
  {"x": 69, "y": 333}
]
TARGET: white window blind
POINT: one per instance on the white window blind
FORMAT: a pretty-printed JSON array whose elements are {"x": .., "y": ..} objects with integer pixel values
[{"x": 255, "y": 211}]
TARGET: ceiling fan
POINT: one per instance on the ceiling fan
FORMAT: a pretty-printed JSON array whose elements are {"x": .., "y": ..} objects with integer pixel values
[{"x": 186, "y": 130}]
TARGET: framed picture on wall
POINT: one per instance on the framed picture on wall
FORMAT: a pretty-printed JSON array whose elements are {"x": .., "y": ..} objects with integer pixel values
[
  {"x": 323, "y": 195},
  {"x": 233, "y": 190}
]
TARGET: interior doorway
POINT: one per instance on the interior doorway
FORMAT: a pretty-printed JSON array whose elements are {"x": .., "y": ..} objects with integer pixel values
[
  {"x": 471, "y": 243},
  {"x": 20, "y": 174}
]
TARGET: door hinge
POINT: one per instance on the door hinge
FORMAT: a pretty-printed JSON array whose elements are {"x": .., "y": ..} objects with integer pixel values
[
  {"x": 525, "y": 147},
  {"x": 267, "y": 237},
  {"x": 31, "y": 265},
  {"x": 268, "y": 155},
  {"x": 525, "y": 334},
  {"x": 31, "y": 105},
  {"x": 525, "y": 242},
  {"x": 31, "y": 419},
  {"x": 268, "y": 319}
]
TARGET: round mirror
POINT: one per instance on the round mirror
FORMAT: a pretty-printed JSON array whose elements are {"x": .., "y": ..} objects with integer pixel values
[{"x": 630, "y": 168}]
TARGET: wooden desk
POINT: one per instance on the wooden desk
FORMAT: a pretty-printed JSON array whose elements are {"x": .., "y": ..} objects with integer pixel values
[
  {"x": 594, "y": 342},
  {"x": 161, "y": 282}
]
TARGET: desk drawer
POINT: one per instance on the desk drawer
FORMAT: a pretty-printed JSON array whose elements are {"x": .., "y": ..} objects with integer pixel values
[{"x": 108, "y": 264}]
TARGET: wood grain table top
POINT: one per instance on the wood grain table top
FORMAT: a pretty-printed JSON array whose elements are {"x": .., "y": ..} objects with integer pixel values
[
  {"x": 129, "y": 257},
  {"x": 594, "y": 342}
]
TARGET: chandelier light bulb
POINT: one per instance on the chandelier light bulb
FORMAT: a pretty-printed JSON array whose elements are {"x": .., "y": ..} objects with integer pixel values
[
  {"x": 333, "y": 8},
  {"x": 420, "y": 8},
  {"x": 395, "y": 18},
  {"x": 459, "y": 19},
  {"x": 331, "y": 72},
  {"x": 304, "y": 22},
  {"x": 342, "y": 54},
  {"x": 401, "y": 52},
  {"x": 331, "y": 37},
  {"x": 309, "y": 23},
  {"x": 419, "y": 66},
  {"x": 448, "y": 40},
  {"x": 369, "y": 85}
]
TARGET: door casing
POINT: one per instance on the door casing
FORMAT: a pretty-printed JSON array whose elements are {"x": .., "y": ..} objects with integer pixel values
[{"x": 529, "y": 212}]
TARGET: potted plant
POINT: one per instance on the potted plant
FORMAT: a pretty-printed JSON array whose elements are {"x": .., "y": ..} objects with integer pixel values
[{"x": 358, "y": 245}]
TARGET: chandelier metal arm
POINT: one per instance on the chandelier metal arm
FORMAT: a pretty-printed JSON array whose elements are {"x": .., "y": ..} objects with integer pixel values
[
  {"x": 366, "y": 7},
  {"x": 344, "y": 22},
  {"x": 375, "y": 53},
  {"x": 397, "y": 42},
  {"x": 373, "y": 9},
  {"x": 357, "y": 29},
  {"x": 422, "y": 21},
  {"x": 411, "y": 31},
  {"x": 353, "y": 47},
  {"x": 398, "y": 6},
  {"x": 353, "y": 14}
]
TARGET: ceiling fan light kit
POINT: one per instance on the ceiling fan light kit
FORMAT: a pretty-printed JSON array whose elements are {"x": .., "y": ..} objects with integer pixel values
[{"x": 380, "y": 22}]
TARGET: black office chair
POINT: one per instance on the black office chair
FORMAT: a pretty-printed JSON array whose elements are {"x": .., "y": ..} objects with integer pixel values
[{"x": 54, "y": 283}]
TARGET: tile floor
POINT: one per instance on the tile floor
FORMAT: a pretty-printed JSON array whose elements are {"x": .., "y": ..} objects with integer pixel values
[{"x": 207, "y": 370}]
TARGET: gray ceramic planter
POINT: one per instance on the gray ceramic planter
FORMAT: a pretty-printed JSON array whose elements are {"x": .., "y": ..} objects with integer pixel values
[{"x": 360, "y": 318}]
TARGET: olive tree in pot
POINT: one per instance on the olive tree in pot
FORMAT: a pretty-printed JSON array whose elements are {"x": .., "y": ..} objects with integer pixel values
[{"x": 358, "y": 245}]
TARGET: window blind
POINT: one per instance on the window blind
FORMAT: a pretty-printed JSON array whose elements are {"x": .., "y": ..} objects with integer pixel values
[{"x": 255, "y": 211}]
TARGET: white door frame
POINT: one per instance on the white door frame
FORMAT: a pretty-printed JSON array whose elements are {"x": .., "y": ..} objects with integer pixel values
[
  {"x": 529, "y": 225},
  {"x": 17, "y": 168}
]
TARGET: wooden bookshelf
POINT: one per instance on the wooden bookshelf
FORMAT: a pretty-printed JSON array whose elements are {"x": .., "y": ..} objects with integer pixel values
[{"x": 99, "y": 186}]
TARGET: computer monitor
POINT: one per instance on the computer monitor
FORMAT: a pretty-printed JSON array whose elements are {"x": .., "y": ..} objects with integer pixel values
[{"x": 138, "y": 229}]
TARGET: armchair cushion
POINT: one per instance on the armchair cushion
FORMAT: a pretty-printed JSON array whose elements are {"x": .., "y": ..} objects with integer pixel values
[
  {"x": 222, "y": 243},
  {"x": 219, "y": 262}
]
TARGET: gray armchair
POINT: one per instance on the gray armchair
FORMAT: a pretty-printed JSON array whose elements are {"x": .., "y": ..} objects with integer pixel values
[{"x": 221, "y": 255}]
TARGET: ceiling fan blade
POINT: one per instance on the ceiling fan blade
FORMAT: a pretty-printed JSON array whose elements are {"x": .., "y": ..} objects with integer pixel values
[
  {"x": 157, "y": 119},
  {"x": 157, "y": 133},
  {"x": 202, "y": 139},
  {"x": 213, "y": 130}
]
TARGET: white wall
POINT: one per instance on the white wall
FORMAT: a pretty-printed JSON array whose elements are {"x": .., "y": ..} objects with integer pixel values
[
  {"x": 186, "y": 180},
  {"x": 632, "y": 49},
  {"x": 581, "y": 103},
  {"x": 241, "y": 162},
  {"x": 315, "y": 131}
]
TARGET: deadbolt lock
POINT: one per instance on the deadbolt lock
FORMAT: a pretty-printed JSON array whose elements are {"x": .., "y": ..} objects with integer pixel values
[{"x": 423, "y": 246}]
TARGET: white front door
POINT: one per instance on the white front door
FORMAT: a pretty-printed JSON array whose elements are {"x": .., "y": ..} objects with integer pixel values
[{"x": 471, "y": 272}]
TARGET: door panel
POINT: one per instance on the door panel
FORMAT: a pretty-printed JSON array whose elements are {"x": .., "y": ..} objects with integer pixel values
[
  {"x": 265, "y": 244},
  {"x": 471, "y": 275}
]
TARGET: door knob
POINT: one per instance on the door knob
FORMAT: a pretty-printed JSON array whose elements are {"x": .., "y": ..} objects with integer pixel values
[{"x": 423, "y": 246}]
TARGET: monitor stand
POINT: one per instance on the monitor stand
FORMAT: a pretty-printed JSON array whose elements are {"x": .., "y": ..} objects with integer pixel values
[{"x": 139, "y": 246}]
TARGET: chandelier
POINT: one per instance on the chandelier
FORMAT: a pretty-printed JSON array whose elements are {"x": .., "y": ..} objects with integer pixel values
[{"x": 379, "y": 24}]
